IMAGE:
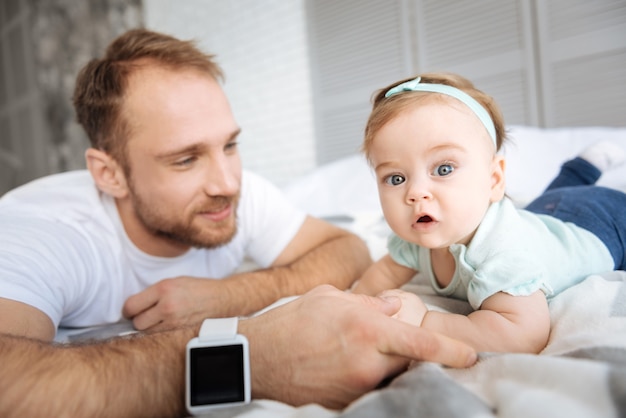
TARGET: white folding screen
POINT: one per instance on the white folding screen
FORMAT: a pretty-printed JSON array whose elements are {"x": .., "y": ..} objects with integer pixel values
[
  {"x": 355, "y": 46},
  {"x": 582, "y": 56},
  {"x": 488, "y": 41},
  {"x": 547, "y": 62}
]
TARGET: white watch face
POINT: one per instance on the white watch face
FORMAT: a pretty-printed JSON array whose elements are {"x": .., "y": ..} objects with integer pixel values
[{"x": 218, "y": 374}]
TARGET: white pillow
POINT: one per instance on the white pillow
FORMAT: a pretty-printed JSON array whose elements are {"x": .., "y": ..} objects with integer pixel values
[
  {"x": 534, "y": 157},
  {"x": 343, "y": 187}
]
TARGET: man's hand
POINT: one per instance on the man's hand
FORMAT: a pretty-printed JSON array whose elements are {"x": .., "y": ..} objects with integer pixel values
[
  {"x": 179, "y": 301},
  {"x": 330, "y": 347}
]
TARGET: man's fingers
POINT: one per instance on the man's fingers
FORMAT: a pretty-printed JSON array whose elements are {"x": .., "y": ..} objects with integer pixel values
[
  {"x": 421, "y": 344},
  {"x": 148, "y": 319},
  {"x": 139, "y": 302},
  {"x": 387, "y": 305},
  {"x": 141, "y": 309}
]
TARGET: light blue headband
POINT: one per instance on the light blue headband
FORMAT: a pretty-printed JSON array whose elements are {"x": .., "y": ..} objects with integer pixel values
[{"x": 469, "y": 101}]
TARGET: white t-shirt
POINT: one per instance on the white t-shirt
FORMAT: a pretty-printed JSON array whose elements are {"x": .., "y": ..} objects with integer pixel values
[{"x": 63, "y": 248}]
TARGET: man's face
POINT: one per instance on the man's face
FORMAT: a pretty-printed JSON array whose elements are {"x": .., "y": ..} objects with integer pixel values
[{"x": 184, "y": 166}]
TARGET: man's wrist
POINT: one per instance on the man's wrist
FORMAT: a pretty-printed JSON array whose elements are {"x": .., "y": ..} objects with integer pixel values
[
  {"x": 217, "y": 367},
  {"x": 260, "y": 375}
]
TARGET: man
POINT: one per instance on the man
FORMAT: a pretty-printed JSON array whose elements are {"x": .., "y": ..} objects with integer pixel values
[
  {"x": 157, "y": 227},
  {"x": 164, "y": 212},
  {"x": 327, "y": 347}
]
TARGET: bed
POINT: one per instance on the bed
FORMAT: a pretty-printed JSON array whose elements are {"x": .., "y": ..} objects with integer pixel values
[{"x": 581, "y": 372}]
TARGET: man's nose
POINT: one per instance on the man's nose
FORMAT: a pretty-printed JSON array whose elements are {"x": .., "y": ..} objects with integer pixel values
[{"x": 223, "y": 178}]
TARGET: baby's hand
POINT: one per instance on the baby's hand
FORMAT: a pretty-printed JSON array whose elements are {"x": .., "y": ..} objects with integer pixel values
[{"x": 413, "y": 308}]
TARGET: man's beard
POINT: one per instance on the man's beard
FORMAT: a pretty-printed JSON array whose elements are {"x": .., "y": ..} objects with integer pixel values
[{"x": 183, "y": 231}]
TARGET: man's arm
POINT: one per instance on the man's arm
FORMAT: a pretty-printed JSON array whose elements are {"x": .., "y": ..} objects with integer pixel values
[
  {"x": 320, "y": 253},
  {"x": 24, "y": 320},
  {"x": 327, "y": 347},
  {"x": 330, "y": 347},
  {"x": 136, "y": 376}
]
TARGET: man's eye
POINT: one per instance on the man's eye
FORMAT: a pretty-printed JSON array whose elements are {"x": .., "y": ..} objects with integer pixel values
[
  {"x": 443, "y": 170},
  {"x": 395, "y": 179},
  {"x": 185, "y": 161}
]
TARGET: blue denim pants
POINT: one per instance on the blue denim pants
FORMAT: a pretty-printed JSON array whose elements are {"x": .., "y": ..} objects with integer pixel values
[{"x": 573, "y": 197}]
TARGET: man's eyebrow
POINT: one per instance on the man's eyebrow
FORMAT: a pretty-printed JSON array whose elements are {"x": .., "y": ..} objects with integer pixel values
[
  {"x": 234, "y": 135},
  {"x": 194, "y": 148},
  {"x": 190, "y": 149}
]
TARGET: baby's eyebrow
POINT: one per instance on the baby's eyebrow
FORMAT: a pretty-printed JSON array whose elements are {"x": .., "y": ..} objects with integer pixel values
[
  {"x": 385, "y": 164},
  {"x": 448, "y": 145}
]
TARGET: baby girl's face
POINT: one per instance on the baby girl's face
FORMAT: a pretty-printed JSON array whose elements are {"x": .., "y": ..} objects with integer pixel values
[{"x": 437, "y": 172}]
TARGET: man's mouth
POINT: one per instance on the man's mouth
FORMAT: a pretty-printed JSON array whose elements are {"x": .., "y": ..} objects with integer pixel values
[{"x": 217, "y": 214}]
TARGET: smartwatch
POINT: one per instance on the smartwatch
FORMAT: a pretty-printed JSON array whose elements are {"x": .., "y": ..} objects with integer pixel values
[{"x": 217, "y": 368}]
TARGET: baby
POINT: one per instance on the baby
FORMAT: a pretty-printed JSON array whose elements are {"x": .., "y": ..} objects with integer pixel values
[{"x": 433, "y": 143}]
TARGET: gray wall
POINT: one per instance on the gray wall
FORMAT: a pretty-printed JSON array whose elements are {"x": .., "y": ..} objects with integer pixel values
[{"x": 43, "y": 44}]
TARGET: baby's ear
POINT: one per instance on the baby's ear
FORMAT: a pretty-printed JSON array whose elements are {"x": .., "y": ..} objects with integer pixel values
[
  {"x": 107, "y": 173},
  {"x": 498, "y": 183}
]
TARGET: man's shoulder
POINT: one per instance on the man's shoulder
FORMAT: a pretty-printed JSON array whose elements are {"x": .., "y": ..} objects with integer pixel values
[
  {"x": 56, "y": 220},
  {"x": 255, "y": 187},
  {"x": 70, "y": 182},
  {"x": 65, "y": 196}
]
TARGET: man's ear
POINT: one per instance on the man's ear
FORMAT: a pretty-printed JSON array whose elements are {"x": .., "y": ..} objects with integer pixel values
[
  {"x": 498, "y": 184},
  {"x": 107, "y": 173}
]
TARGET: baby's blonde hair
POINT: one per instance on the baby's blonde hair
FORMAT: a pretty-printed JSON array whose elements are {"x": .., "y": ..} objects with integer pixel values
[{"x": 384, "y": 109}]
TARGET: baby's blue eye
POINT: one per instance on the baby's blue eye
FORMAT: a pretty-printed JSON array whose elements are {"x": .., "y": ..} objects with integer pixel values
[
  {"x": 443, "y": 170},
  {"x": 394, "y": 179}
]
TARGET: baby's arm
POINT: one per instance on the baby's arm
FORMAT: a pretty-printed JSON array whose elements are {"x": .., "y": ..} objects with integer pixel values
[
  {"x": 503, "y": 323},
  {"x": 382, "y": 275}
]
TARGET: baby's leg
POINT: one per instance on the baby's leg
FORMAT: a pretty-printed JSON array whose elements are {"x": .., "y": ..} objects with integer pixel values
[
  {"x": 597, "y": 209},
  {"x": 587, "y": 168},
  {"x": 576, "y": 172}
]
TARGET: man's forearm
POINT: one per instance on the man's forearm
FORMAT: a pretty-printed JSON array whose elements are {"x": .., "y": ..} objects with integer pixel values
[
  {"x": 135, "y": 376},
  {"x": 338, "y": 261}
]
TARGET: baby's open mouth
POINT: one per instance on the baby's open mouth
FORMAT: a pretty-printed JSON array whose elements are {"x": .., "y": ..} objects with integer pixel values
[{"x": 425, "y": 218}]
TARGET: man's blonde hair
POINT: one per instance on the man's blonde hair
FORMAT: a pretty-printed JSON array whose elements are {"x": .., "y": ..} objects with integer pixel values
[{"x": 102, "y": 83}]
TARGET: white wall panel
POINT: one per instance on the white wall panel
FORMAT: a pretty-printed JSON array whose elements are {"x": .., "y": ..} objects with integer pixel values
[
  {"x": 582, "y": 52},
  {"x": 549, "y": 63},
  {"x": 300, "y": 74},
  {"x": 262, "y": 47},
  {"x": 488, "y": 41},
  {"x": 357, "y": 46}
]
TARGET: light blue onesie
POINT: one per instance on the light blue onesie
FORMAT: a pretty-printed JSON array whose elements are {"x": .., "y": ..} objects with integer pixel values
[{"x": 513, "y": 251}]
